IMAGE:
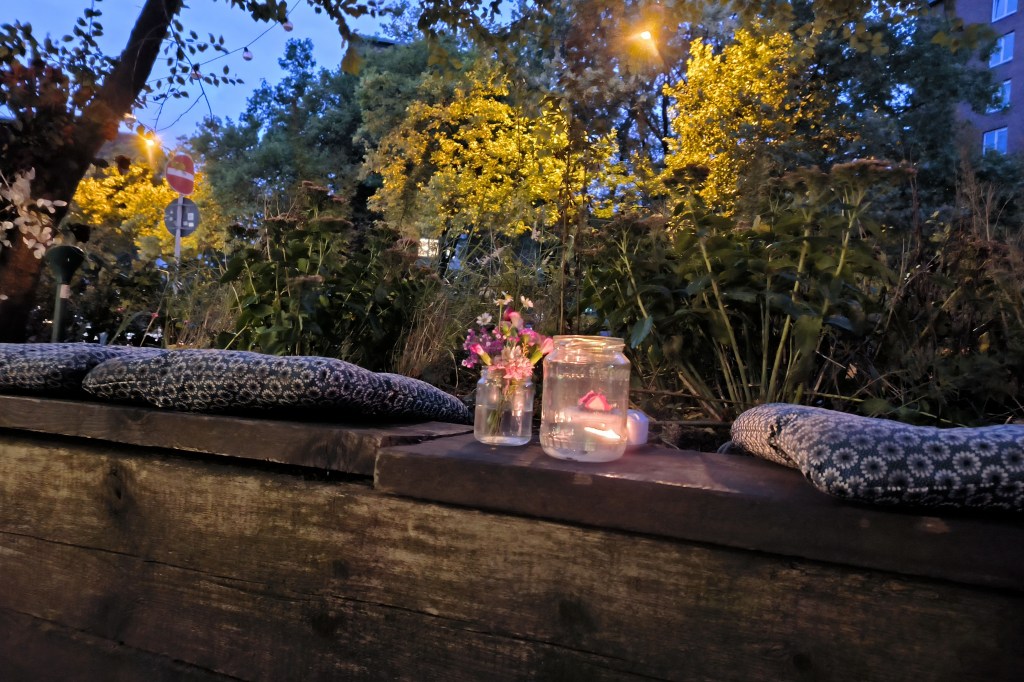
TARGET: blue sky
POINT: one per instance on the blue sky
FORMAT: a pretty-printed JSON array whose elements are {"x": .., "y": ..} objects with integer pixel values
[{"x": 57, "y": 17}]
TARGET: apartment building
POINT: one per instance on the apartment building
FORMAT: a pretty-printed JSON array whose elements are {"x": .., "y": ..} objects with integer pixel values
[{"x": 1000, "y": 128}]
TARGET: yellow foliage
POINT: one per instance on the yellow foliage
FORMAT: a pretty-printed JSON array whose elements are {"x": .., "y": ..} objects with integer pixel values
[
  {"x": 132, "y": 203},
  {"x": 733, "y": 109},
  {"x": 479, "y": 163}
]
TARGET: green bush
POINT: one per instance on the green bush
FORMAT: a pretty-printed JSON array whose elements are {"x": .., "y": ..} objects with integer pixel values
[{"x": 314, "y": 283}]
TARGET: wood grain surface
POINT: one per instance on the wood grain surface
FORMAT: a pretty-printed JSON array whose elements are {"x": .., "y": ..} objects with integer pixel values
[
  {"x": 729, "y": 500},
  {"x": 348, "y": 447},
  {"x": 139, "y": 558}
]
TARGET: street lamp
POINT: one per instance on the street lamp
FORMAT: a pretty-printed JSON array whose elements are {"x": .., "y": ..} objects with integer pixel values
[{"x": 63, "y": 260}]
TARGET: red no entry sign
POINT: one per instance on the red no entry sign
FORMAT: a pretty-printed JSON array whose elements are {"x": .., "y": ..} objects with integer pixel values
[{"x": 181, "y": 174}]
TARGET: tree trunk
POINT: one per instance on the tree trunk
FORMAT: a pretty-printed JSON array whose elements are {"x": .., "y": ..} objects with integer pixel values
[{"x": 99, "y": 122}]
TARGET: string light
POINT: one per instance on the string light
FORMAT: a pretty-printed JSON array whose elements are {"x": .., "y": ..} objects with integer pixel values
[{"x": 247, "y": 55}]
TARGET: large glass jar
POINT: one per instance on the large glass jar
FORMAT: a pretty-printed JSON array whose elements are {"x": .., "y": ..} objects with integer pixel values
[
  {"x": 504, "y": 409},
  {"x": 586, "y": 397}
]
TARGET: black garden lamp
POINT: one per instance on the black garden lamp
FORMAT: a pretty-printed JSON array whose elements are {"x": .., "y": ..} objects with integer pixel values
[{"x": 64, "y": 260}]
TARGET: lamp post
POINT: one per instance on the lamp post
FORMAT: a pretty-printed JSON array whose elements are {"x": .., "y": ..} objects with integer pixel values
[{"x": 63, "y": 260}]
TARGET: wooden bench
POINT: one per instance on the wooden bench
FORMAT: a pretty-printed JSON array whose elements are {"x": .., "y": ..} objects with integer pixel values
[{"x": 138, "y": 544}]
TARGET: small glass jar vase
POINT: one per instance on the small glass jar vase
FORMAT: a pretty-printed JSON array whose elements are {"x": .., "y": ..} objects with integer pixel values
[
  {"x": 586, "y": 398},
  {"x": 504, "y": 409}
]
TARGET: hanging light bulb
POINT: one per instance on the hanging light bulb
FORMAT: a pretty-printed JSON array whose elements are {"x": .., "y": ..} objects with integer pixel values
[
  {"x": 195, "y": 75},
  {"x": 247, "y": 55},
  {"x": 288, "y": 25}
]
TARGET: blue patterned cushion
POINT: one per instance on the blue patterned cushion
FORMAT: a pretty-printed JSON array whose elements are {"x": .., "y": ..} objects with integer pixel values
[
  {"x": 54, "y": 369},
  {"x": 886, "y": 462},
  {"x": 219, "y": 381}
]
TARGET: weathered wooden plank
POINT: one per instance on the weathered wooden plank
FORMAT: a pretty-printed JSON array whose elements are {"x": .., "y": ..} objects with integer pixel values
[
  {"x": 75, "y": 655},
  {"x": 265, "y": 631},
  {"x": 217, "y": 565},
  {"x": 722, "y": 499},
  {"x": 348, "y": 447}
]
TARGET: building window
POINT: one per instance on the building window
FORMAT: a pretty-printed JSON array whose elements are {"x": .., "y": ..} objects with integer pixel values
[
  {"x": 1002, "y": 99},
  {"x": 994, "y": 141},
  {"x": 428, "y": 248},
  {"x": 1002, "y": 8},
  {"x": 1003, "y": 51}
]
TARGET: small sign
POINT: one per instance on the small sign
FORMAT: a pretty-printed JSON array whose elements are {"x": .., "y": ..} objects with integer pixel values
[
  {"x": 181, "y": 213},
  {"x": 181, "y": 174}
]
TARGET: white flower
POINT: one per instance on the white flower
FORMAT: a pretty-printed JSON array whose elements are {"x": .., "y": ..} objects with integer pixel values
[
  {"x": 527, "y": 303},
  {"x": 484, "y": 319},
  {"x": 505, "y": 299}
]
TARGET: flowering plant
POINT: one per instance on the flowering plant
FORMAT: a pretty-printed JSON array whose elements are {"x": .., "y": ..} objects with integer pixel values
[
  {"x": 510, "y": 349},
  {"x": 508, "y": 345}
]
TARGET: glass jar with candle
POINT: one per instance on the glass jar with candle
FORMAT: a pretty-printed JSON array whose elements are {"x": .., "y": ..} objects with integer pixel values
[{"x": 586, "y": 397}]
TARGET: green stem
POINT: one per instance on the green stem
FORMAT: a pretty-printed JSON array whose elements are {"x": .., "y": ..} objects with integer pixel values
[
  {"x": 787, "y": 325},
  {"x": 740, "y": 365}
]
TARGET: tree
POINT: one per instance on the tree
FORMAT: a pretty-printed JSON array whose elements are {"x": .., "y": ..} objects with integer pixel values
[
  {"x": 69, "y": 100},
  {"x": 130, "y": 202},
  {"x": 734, "y": 109},
  {"x": 300, "y": 129},
  {"x": 476, "y": 163}
]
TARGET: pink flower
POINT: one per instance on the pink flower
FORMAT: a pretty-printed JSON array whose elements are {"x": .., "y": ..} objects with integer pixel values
[
  {"x": 595, "y": 402},
  {"x": 478, "y": 350},
  {"x": 547, "y": 345},
  {"x": 516, "y": 365}
]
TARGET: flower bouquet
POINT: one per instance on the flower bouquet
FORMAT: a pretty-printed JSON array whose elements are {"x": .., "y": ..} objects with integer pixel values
[{"x": 508, "y": 350}]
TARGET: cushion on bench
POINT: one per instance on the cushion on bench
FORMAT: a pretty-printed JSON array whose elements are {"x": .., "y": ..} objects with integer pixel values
[
  {"x": 222, "y": 381},
  {"x": 55, "y": 369},
  {"x": 885, "y": 462}
]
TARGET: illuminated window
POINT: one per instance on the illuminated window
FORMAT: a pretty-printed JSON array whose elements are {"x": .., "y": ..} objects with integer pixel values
[
  {"x": 1002, "y": 8},
  {"x": 1003, "y": 51},
  {"x": 994, "y": 141},
  {"x": 429, "y": 248}
]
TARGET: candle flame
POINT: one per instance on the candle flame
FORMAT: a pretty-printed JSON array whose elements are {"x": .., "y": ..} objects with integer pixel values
[{"x": 603, "y": 433}]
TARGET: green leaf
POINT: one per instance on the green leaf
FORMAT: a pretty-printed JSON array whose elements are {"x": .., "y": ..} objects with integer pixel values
[
  {"x": 741, "y": 295},
  {"x": 806, "y": 330},
  {"x": 234, "y": 268},
  {"x": 876, "y": 406},
  {"x": 640, "y": 331},
  {"x": 840, "y": 322},
  {"x": 352, "y": 61}
]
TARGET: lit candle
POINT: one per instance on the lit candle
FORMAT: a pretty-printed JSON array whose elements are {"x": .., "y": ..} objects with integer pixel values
[{"x": 595, "y": 422}]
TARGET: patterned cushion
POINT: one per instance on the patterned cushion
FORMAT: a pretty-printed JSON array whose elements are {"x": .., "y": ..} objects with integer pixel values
[
  {"x": 55, "y": 369},
  {"x": 219, "y": 381},
  {"x": 885, "y": 462}
]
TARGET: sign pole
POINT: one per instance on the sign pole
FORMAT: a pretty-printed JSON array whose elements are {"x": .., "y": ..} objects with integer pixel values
[{"x": 177, "y": 229}]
